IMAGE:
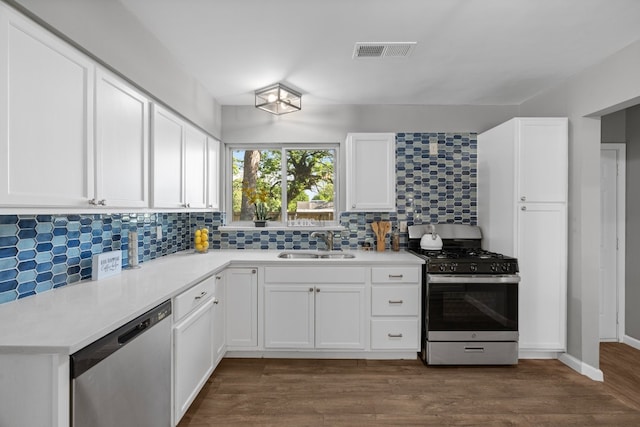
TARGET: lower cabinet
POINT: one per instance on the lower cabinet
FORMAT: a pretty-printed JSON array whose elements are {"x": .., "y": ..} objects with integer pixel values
[
  {"x": 328, "y": 316},
  {"x": 241, "y": 308},
  {"x": 193, "y": 339},
  {"x": 307, "y": 308}
]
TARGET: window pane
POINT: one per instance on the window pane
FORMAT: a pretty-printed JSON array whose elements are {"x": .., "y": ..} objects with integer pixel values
[
  {"x": 310, "y": 179},
  {"x": 256, "y": 181}
]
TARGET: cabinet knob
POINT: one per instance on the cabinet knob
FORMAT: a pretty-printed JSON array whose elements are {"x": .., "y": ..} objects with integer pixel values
[
  {"x": 215, "y": 301},
  {"x": 353, "y": 205},
  {"x": 218, "y": 277},
  {"x": 310, "y": 289},
  {"x": 102, "y": 202},
  {"x": 317, "y": 289},
  {"x": 523, "y": 199},
  {"x": 253, "y": 271},
  {"x": 523, "y": 208},
  {"x": 186, "y": 205},
  {"x": 93, "y": 202}
]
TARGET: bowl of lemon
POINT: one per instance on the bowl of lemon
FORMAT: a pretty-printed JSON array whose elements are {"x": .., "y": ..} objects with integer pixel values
[{"x": 201, "y": 240}]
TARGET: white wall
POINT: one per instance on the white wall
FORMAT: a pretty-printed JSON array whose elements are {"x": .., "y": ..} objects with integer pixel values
[
  {"x": 116, "y": 38},
  {"x": 605, "y": 88},
  {"x": 331, "y": 123}
]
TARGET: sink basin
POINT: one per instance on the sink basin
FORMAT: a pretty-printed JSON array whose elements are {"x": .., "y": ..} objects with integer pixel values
[
  {"x": 312, "y": 255},
  {"x": 298, "y": 255},
  {"x": 337, "y": 256}
]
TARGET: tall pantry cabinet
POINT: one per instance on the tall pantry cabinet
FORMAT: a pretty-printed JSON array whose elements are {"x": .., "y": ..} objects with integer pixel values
[{"x": 522, "y": 210}]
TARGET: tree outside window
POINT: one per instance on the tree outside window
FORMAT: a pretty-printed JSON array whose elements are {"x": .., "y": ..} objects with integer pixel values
[{"x": 308, "y": 176}]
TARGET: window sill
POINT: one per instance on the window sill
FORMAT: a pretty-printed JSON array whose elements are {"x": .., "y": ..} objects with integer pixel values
[{"x": 278, "y": 227}]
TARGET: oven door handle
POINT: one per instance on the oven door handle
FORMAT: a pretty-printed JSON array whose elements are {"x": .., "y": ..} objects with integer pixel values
[{"x": 447, "y": 278}]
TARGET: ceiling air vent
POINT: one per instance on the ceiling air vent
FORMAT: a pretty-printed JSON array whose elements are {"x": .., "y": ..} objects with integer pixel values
[{"x": 383, "y": 50}]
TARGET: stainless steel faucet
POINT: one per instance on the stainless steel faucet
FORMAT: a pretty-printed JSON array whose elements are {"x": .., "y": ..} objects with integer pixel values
[{"x": 325, "y": 236}]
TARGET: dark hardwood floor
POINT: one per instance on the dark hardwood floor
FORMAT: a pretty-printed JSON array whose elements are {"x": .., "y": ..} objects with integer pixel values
[{"x": 285, "y": 392}]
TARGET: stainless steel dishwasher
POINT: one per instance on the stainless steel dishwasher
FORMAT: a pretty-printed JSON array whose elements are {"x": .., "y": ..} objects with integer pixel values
[{"x": 124, "y": 378}]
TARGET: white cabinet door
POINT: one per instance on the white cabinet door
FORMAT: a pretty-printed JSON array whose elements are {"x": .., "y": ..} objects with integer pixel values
[
  {"x": 168, "y": 161},
  {"x": 46, "y": 118},
  {"x": 193, "y": 357},
  {"x": 122, "y": 141},
  {"x": 213, "y": 174},
  {"x": 371, "y": 172},
  {"x": 340, "y": 316},
  {"x": 542, "y": 254},
  {"x": 219, "y": 320},
  {"x": 289, "y": 316},
  {"x": 242, "y": 307},
  {"x": 542, "y": 158},
  {"x": 195, "y": 167}
]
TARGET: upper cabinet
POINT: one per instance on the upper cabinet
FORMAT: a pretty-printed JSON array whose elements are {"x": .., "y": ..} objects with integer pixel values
[
  {"x": 371, "y": 172},
  {"x": 542, "y": 158},
  {"x": 180, "y": 168},
  {"x": 122, "y": 144},
  {"x": 46, "y": 118}
]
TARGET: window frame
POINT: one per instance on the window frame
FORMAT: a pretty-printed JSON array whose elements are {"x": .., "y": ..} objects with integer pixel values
[{"x": 283, "y": 147}]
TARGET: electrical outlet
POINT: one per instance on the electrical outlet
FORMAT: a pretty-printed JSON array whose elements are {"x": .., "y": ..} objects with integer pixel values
[
  {"x": 433, "y": 148},
  {"x": 159, "y": 232},
  {"x": 403, "y": 226}
]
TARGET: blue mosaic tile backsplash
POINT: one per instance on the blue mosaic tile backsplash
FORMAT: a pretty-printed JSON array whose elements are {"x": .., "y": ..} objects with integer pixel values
[{"x": 42, "y": 252}]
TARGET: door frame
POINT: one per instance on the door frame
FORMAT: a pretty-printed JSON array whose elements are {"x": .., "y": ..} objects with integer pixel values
[{"x": 621, "y": 179}]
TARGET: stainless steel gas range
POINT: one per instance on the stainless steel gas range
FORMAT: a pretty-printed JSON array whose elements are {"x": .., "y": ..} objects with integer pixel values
[{"x": 470, "y": 297}]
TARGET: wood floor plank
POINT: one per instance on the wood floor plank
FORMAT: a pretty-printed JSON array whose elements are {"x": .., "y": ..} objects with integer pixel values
[{"x": 282, "y": 392}]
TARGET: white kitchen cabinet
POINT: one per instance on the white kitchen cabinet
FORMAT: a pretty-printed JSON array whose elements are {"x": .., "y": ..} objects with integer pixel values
[
  {"x": 193, "y": 340},
  {"x": 395, "y": 307},
  {"x": 122, "y": 144},
  {"x": 168, "y": 159},
  {"x": 195, "y": 167},
  {"x": 46, "y": 118},
  {"x": 241, "y": 308},
  {"x": 219, "y": 319},
  {"x": 542, "y": 259},
  {"x": 213, "y": 174},
  {"x": 371, "y": 172},
  {"x": 522, "y": 211},
  {"x": 180, "y": 167},
  {"x": 322, "y": 308}
]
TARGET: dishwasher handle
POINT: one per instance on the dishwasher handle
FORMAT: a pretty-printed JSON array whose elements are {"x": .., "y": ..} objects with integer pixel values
[{"x": 134, "y": 332}]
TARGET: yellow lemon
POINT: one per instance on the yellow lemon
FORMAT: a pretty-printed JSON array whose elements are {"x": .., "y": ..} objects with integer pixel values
[
  {"x": 198, "y": 232},
  {"x": 205, "y": 231},
  {"x": 205, "y": 245},
  {"x": 205, "y": 237},
  {"x": 198, "y": 240},
  {"x": 199, "y": 247}
]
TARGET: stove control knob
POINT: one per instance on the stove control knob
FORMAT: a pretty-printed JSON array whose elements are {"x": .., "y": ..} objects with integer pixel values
[
  {"x": 494, "y": 267},
  {"x": 473, "y": 268},
  {"x": 453, "y": 267},
  {"x": 442, "y": 267},
  {"x": 505, "y": 267}
]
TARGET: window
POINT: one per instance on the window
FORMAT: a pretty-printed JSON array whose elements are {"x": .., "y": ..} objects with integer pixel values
[{"x": 308, "y": 191}]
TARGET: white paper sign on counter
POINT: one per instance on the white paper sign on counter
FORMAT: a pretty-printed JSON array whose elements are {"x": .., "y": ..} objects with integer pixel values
[{"x": 106, "y": 264}]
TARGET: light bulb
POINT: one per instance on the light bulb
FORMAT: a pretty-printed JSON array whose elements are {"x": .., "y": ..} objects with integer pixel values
[{"x": 271, "y": 97}]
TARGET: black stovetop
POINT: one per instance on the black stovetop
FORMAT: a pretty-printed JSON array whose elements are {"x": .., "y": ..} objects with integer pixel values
[{"x": 463, "y": 260}]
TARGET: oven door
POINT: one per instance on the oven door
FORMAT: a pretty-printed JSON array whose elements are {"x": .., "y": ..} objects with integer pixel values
[{"x": 472, "y": 308}]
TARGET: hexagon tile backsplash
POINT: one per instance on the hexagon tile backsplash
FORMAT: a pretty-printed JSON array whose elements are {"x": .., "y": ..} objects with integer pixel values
[{"x": 42, "y": 252}]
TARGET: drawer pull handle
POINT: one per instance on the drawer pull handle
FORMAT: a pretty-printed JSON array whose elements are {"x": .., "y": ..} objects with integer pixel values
[
  {"x": 474, "y": 349},
  {"x": 395, "y": 276},
  {"x": 395, "y": 335},
  {"x": 395, "y": 301},
  {"x": 202, "y": 294},
  {"x": 215, "y": 301}
]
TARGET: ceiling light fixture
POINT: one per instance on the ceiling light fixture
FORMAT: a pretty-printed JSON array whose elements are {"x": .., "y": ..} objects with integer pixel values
[{"x": 278, "y": 99}]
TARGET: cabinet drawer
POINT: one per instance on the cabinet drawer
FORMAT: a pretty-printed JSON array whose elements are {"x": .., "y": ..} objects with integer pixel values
[
  {"x": 395, "y": 275},
  {"x": 315, "y": 275},
  {"x": 394, "y": 334},
  {"x": 396, "y": 300},
  {"x": 194, "y": 297}
]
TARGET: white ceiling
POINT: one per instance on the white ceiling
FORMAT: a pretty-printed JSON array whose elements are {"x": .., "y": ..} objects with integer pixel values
[{"x": 469, "y": 52}]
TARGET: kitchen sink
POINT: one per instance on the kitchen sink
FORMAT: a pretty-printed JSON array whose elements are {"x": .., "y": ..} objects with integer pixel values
[{"x": 313, "y": 255}]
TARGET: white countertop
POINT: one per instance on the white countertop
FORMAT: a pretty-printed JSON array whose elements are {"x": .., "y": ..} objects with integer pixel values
[{"x": 66, "y": 319}]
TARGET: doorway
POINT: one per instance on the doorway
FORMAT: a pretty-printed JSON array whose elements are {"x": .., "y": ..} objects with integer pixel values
[{"x": 612, "y": 241}]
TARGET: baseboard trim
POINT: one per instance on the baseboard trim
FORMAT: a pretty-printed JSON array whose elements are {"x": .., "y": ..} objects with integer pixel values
[
  {"x": 631, "y": 342},
  {"x": 581, "y": 367}
]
